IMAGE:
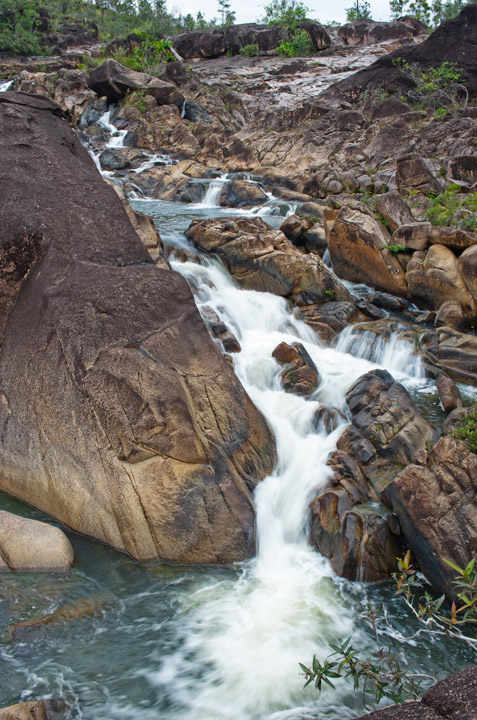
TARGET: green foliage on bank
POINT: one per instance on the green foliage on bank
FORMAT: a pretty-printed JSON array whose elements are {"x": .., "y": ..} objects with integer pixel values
[
  {"x": 23, "y": 23},
  {"x": 467, "y": 430}
]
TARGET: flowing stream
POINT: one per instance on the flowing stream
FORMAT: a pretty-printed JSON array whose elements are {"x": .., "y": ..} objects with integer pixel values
[{"x": 158, "y": 642}]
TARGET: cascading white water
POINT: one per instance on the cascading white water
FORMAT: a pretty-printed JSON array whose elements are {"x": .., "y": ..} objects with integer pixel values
[
  {"x": 212, "y": 195},
  {"x": 248, "y": 637},
  {"x": 394, "y": 353},
  {"x": 6, "y": 85},
  {"x": 117, "y": 136}
]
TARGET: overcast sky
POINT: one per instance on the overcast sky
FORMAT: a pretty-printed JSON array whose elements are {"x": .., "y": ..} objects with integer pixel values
[{"x": 321, "y": 10}]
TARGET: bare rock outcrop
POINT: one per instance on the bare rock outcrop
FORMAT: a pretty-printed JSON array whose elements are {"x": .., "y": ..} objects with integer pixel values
[
  {"x": 113, "y": 80},
  {"x": 118, "y": 414},
  {"x": 34, "y": 710},
  {"x": 261, "y": 258},
  {"x": 435, "y": 503}
]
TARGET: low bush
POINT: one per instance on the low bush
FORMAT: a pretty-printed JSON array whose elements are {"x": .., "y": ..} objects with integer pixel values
[{"x": 299, "y": 45}]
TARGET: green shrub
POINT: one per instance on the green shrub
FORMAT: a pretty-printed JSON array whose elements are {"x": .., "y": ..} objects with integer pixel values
[
  {"x": 298, "y": 45},
  {"x": 467, "y": 430},
  {"x": 249, "y": 50},
  {"x": 453, "y": 209},
  {"x": 435, "y": 88}
]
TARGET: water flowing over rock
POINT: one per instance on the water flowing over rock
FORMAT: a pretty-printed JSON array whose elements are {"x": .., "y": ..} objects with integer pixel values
[
  {"x": 119, "y": 415},
  {"x": 32, "y": 546},
  {"x": 261, "y": 258},
  {"x": 435, "y": 503},
  {"x": 113, "y": 80}
]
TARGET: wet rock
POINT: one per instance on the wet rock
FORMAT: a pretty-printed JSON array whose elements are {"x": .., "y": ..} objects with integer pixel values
[
  {"x": 195, "y": 113},
  {"x": 75, "y": 610},
  {"x": 261, "y": 258},
  {"x": 118, "y": 159},
  {"x": 450, "y": 699},
  {"x": 435, "y": 504},
  {"x": 35, "y": 710},
  {"x": 394, "y": 209},
  {"x": 436, "y": 278},
  {"x": 32, "y": 546},
  {"x": 113, "y": 80},
  {"x": 388, "y": 302},
  {"x": 147, "y": 441},
  {"x": 327, "y": 419},
  {"x": 371, "y": 311},
  {"x": 331, "y": 318},
  {"x": 386, "y": 424},
  {"x": 220, "y": 330},
  {"x": 449, "y": 394},
  {"x": 357, "y": 245},
  {"x": 417, "y": 173},
  {"x": 299, "y": 374},
  {"x": 240, "y": 193},
  {"x": 315, "y": 240},
  {"x": 360, "y": 539},
  {"x": 450, "y": 314}
]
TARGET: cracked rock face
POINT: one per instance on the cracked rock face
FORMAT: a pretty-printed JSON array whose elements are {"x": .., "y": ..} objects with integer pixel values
[{"x": 118, "y": 414}]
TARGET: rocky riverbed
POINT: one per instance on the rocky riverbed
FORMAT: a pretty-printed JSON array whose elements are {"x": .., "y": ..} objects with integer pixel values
[{"x": 244, "y": 340}]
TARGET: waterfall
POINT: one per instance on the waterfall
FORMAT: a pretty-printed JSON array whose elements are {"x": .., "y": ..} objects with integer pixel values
[
  {"x": 6, "y": 85},
  {"x": 391, "y": 352},
  {"x": 212, "y": 195},
  {"x": 117, "y": 136},
  {"x": 247, "y": 637}
]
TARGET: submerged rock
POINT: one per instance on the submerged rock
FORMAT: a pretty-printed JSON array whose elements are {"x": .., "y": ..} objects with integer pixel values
[
  {"x": 119, "y": 415},
  {"x": 35, "y": 710}
]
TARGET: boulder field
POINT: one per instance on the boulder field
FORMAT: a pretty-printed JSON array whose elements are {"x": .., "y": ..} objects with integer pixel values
[{"x": 118, "y": 414}]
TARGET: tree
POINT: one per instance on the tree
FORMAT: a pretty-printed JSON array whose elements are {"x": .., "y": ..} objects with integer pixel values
[
  {"x": 224, "y": 8},
  {"x": 432, "y": 13},
  {"x": 230, "y": 17},
  {"x": 359, "y": 11},
  {"x": 285, "y": 12}
]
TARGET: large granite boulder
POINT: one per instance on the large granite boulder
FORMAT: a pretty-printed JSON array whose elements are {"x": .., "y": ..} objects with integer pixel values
[
  {"x": 349, "y": 523},
  {"x": 453, "y": 41},
  {"x": 359, "y": 252},
  {"x": 436, "y": 277},
  {"x": 113, "y": 80},
  {"x": 118, "y": 414},
  {"x": 261, "y": 258},
  {"x": 368, "y": 32},
  {"x": 32, "y": 546},
  {"x": 435, "y": 503},
  {"x": 195, "y": 44}
]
